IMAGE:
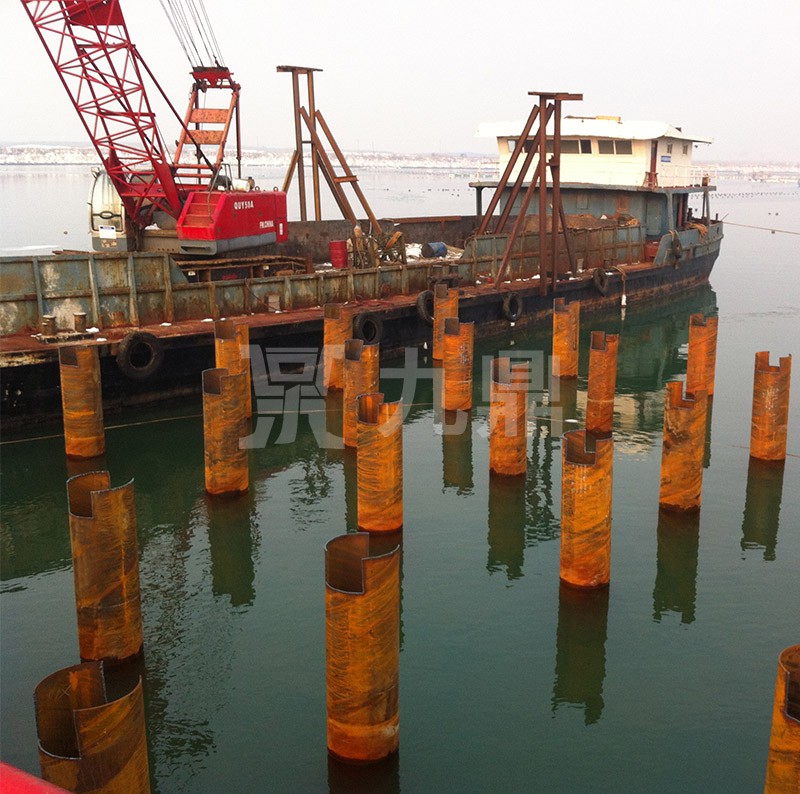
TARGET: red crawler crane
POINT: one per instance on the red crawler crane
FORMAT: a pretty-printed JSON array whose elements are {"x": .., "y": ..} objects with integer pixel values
[{"x": 102, "y": 72}]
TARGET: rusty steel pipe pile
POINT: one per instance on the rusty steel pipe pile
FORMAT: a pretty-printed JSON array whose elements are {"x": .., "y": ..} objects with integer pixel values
[
  {"x": 586, "y": 475},
  {"x": 232, "y": 352},
  {"x": 682, "y": 449},
  {"x": 362, "y": 570},
  {"x": 361, "y": 370},
  {"x": 566, "y": 329},
  {"x": 105, "y": 566},
  {"x": 445, "y": 304},
  {"x": 457, "y": 365},
  {"x": 225, "y": 422},
  {"x": 379, "y": 464},
  {"x": 770, "y": 418},
  {"x": 81, "y": 401},
  {"x": 337, "y": 329},
  {"x": 508, "y": 404},
  {"x": 783, "y": 758},
  {"x": 362, "y": 647},
  {"x": 89, "y": 744},
  {"x": 602, "y": 383}
]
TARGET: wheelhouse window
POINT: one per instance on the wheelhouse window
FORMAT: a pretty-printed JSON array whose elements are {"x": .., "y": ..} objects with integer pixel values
[
  {"x": 686, "y": 148},
  {"x": 568, "y": 145},
  {"x": 669, "y": 148},
  {"x": 614, "y": 147},
  {"x": 572, "y": 146},
  {"x": 623, "y": 147}
]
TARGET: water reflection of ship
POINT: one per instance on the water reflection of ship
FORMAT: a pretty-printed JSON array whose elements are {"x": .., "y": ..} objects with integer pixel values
[
  {"x": 581, "y": 650},
  {"x": 762, "y": 506},
  {"x": 678, "y": 541}
]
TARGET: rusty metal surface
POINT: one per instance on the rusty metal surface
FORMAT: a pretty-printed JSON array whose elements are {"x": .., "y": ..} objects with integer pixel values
[
  {"x": 602, "y": 382},
  {"x": 105, "y": 566},
  {"x": 445, "y": 304},
  {"x": 225, "y": 422},
  {"x": 379, "y": 464},
  {"x": 232, "y": 352},
  {"x": 361, "y": 375},
  {"x": 337, "y": 329},
  {"x": 586, "y": 480},
  {"x": 682, "y": 448},
  {"x": 508, "y": 397},
  {"x": 87, "y": 744},
  {"x": 770, "y": 416},
  {"x": 81, "y": 401},
  {"x": 457, "y": 365},
  {"x": 783, "y": 759},
  {"x": 566, "y": 332},
  {"x": 702, "y": 357},
  {"x": 362, "y": 647}
]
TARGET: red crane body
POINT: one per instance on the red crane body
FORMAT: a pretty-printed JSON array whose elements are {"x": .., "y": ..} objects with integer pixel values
[{"x": 102, "y": 72}]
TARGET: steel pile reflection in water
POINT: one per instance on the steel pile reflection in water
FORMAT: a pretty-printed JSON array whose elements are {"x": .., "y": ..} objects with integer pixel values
[
  {"x": 506, "y": 520},
  {"x": 581, "y": 650},
  {"x": 678, "y": 541},
  {"x": 762, "y": 506}
]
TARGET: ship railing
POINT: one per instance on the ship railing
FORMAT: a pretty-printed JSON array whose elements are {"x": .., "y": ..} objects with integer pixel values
[{"x": 685, "y": 175}]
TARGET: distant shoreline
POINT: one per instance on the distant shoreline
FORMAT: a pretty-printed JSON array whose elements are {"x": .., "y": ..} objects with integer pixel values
[{"x": 63, "y": 156}]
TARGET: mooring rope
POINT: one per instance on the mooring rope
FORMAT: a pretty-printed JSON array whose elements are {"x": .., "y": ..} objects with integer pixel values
[{"x": 761, "y": 228}]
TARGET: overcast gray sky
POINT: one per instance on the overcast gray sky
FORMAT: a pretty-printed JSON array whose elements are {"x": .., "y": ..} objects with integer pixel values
[{"x": 415, "y": 76}]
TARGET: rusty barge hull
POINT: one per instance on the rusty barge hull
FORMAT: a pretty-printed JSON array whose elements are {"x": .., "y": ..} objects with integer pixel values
[{"x": 30, "y": 378}]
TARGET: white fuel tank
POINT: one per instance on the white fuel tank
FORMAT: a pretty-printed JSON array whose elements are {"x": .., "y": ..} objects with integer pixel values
[{"x": 106, "y": 213}]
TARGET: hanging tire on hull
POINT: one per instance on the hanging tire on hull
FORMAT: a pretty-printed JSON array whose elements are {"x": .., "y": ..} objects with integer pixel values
[
  {"x": 600, "y": 280},
  {"x": 425, "y": 306},
  {"x": 140, "y": 355},
  {"x": 368, "y": 327},
  {"x": 512, "y": 307}
]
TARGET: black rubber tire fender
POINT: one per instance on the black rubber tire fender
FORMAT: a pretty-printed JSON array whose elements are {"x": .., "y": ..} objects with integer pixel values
[
  {"x": 369, "y": 327},
  {"x": 512, "y": 307},
  {"x": 600, "y": 280},
  {"x": 425, "y": 306},
  {"x": 140, "y": 355}
]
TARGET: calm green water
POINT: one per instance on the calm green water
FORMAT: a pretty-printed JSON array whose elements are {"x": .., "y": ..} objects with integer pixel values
[{"x": 663, "y": 683}]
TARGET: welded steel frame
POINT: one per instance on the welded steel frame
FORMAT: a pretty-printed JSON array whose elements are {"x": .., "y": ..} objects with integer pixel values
[
  {"x": 548, "y": 106},
  {"x": 311, "y": 122}
]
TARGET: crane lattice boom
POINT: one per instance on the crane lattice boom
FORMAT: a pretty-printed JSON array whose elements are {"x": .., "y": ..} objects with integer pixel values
[{"x": 88, "y": 43}]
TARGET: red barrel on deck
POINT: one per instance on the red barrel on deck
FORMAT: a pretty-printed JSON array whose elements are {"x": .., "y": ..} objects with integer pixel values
[{"x": 337, "y": 251}]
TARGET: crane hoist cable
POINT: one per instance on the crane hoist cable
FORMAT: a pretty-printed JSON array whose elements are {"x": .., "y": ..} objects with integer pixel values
[{"x": 193, "y": 29}]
